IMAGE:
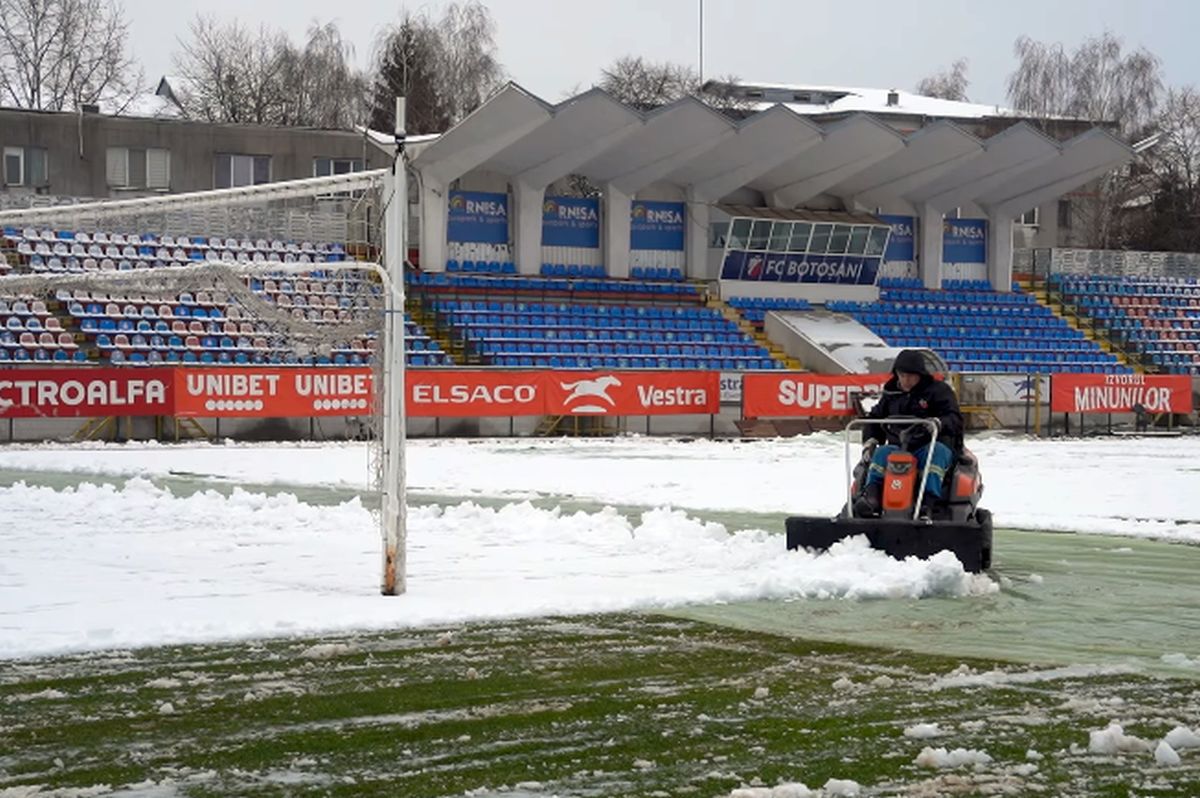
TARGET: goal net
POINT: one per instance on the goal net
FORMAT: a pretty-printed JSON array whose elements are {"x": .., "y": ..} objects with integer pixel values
[{"x": 289, "y": 274}]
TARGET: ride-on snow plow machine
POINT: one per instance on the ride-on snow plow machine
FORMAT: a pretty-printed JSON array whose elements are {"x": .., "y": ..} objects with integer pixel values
[{"x": 955, "y": 523}]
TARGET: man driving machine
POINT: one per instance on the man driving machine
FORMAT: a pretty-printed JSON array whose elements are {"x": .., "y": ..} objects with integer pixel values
[{"x": 912, "y": 392}]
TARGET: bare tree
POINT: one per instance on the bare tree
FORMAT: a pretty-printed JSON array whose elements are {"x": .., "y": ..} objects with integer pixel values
[
  {"x": 948, "y": 84},
  {"x": 321, "y": 87},
  {"x": 469, "y": 67},
  {"x": 1166, "y": 213},
  {"x": 445, "y": 68},
  {"x": 1101, "y": 83},
  {"x": 1098, "y": 82},
  {"x": 648, "y": 84},
  {"x": 232, "y": 74},
  {"x": 56, "y": 55}
]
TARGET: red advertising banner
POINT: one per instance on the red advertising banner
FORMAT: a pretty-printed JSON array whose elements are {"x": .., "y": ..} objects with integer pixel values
[
  {"x": 249, "y": 392},
  {"x": 1118, "y": 393},
  {"x": 805, "y": 395},
  {"x": 450, "y": 394},
  {"x": 633, "y": 393},
  {"x": 536, "y": 393},
  {"x": 85, "y": 393}
]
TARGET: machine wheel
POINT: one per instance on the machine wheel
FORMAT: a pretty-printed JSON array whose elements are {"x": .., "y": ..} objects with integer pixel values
[{"x": 984, "y": 517}]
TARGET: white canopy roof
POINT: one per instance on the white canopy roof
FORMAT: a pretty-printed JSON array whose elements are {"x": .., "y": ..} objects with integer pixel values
[{"x": 777, "y": 151}]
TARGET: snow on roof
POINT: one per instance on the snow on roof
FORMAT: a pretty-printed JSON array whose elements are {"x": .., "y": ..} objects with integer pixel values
[
  {"x": 152, "y": 106},
  {"x": 842, "y": 99}
]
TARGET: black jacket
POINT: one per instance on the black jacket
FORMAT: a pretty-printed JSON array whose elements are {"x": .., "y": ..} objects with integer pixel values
[{"x": 929, "y": 399}]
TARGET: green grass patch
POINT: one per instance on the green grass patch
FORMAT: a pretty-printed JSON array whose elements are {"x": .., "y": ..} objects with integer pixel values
[{"x": 593, "y": 706}]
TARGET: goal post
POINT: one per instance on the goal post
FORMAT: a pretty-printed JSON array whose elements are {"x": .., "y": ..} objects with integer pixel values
[
  {"x": 338, "y": 241},
  {"x": 392, "y": 409}
]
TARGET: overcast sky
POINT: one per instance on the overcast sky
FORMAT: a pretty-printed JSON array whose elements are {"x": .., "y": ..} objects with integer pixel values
[{"x": 552, "y": 47}]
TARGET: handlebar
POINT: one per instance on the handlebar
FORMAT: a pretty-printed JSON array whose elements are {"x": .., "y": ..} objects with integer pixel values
[{"x": 934, "y": 427}]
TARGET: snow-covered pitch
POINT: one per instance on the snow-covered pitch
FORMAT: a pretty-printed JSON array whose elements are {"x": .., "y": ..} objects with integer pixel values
[{"x": 116, "y": 560}]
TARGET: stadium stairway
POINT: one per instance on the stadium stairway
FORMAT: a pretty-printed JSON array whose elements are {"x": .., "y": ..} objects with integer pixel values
[
  {"x": 756, "y": 333},
  {"x": 1078, "y": 321},
  {"x": 423, "y": 314}
]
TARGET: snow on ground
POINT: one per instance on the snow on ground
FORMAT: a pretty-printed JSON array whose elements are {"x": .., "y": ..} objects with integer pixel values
[
  {"x": 100, "y": 567},
  {"x": 1115, "y": 486}
]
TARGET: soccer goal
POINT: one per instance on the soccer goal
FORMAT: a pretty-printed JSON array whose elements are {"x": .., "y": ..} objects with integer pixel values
[{"x": 305, "y": 273}]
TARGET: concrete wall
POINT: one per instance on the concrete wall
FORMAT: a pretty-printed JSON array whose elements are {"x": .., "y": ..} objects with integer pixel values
[{"x": 77, "y": 148}]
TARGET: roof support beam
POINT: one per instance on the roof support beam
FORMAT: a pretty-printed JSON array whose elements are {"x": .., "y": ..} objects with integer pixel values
[
  {"x": 1084, "y": 158},
  {"x": 1017, "y": 148},
  {"x": 507, "y": 117},
  {"x": 670, "y": 138},
  {"x": 763, "y": 142},
  {"x": 928, "y": 154},
  {"x": 849, "y": 148}
]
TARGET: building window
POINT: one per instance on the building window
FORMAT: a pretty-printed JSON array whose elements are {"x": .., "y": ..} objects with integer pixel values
[
  {"x": 1064, "y": 214},
  {"x": 717, "y": 233},
  {"x": 137, "y": 168},
  {"x": 25, "y": 166},
  {"x": 235, "y": 171},
  {"x": 324, "y": 167},
  {"x": 1029, "y": 218},
  {"x": 14, "y": 166}
]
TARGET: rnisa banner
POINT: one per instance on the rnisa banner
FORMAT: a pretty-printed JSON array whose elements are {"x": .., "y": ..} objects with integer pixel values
[
  {"x": 964, "y": 241},
  {"x": 901, "y": 243},
  {"x": 781, "y": 267},
  {"x": 477, "y": 217},
  {"x": 571, "y": 222},
  {"x": 656, "y": 225}
]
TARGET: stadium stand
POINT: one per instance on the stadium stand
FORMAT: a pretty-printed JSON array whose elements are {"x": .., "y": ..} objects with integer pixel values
[
  {"x": 1157, "y": 318},
  {"x": 30, "y": 332},
  {"x": 587, "y": 323},
  {"x": 976, "y": 329},
  {"x": 755, "y": 309},
  {"x": 136, "y": 328}
]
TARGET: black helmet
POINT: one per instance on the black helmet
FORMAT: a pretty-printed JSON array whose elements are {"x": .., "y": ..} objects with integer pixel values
[{"x": 911, "y": 361}]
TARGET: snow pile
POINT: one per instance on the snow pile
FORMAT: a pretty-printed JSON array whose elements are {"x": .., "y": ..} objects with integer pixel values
[
  {"x": 790, "y": 790},
  {"x": 965, "y": 676},
  {"x": 940, "y": 758},
  {"x": 1027, "y": 479},
  {"x": 81, "y": 564},
  {"x": 1180, "y": 660},
  {"x": 1182, "y": 737},
  {"x": 1165, "y": 755},
  {"x": 843, "y": 787},
  {"x": 923, "y": 731},
  {"x": 1113, "y": 740}
]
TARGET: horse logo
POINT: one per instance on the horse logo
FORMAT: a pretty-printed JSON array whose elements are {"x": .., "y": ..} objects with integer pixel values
[{"x": 596, "y": 389}]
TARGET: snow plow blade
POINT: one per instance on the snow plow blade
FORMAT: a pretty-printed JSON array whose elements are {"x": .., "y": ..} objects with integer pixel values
[{"x": 971, "y": 542}]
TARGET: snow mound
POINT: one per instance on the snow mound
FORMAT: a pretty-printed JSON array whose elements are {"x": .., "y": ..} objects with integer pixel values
[
  {"x": 250, "y": 565},
  {"x": 789, "y": 790},
  {"x": 1182, "y": 737},
  {"x": 1114, "y": 740},
  {"x": 923, "y": 731},
  {"x": 940, "y": 758},
  {"x": 1165, "y": 755}
]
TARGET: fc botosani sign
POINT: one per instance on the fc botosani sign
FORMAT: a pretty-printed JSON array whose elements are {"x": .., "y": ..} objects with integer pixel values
[{"x": 778, "y": 267}]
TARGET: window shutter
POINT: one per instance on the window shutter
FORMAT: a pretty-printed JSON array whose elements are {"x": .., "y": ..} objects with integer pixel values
[
  {"x": 137, "y": 168},
  {"x": 158, "y": 168},
  {"x": 117, "y": 167}
]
